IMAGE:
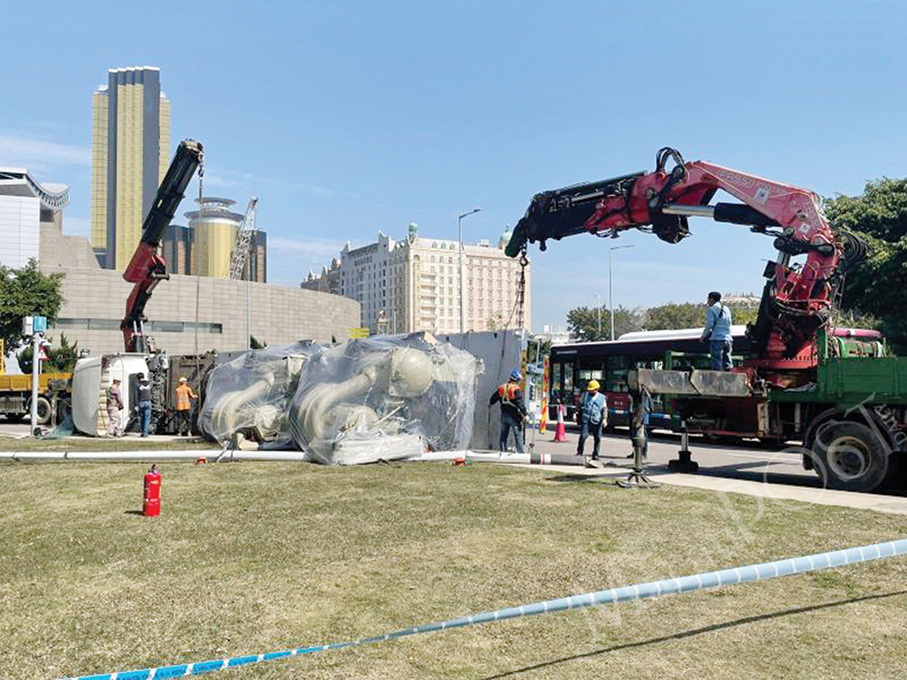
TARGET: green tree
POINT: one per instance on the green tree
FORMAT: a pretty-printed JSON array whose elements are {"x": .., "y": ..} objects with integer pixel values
[
  {"x": 584, "y": 322},
  {"x": 876, "y": 286},
  {"x": 26, "y": 292},
  {"x": 60, "y": 358},
  {"x": 673, "y": 315}
]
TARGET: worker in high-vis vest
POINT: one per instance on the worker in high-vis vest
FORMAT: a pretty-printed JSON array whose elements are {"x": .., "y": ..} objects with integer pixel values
[
  {"x": 184, "y": 395},
  {"x": 513, "y": 410}
]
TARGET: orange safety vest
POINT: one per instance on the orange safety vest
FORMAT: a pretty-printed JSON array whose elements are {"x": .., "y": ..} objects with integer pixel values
[
  {"x": 183, "y": 394},
  {"x": 507, "y": 392}
]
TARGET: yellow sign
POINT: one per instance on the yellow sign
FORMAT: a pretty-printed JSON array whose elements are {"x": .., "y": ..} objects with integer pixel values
[{"x": 359, "y": 332}]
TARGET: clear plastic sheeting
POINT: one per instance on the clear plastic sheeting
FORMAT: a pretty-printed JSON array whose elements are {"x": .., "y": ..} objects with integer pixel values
[
  {"x": 383, "y": 398},
  {"x": 249, "y": 395}
]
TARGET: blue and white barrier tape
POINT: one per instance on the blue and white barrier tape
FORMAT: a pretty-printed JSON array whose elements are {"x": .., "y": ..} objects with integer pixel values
[{"x": 711, "y": 579}]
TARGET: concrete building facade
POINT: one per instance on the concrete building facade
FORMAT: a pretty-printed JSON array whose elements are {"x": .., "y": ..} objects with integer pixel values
[
  {"x": 130, "y": 155},
  {"x": 26, "y": 207},
  {"x": 186, "y": 312},
  {"x": 414, "y": 285}
]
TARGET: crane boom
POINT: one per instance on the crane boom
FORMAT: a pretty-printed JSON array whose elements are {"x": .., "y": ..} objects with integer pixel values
[
  {"x": 243, "y": 241},
  {"x": 147, "y": 268},
  {"x": 797, "y": 299}
]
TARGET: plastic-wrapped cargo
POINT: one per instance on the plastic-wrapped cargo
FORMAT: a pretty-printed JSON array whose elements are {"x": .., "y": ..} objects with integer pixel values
[
  {"x": 250, "y": 394},
  {"x": 383, "y": 398}
]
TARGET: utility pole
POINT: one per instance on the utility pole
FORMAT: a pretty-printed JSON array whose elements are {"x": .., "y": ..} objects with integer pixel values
[
  {"x": 35, "y": 326},
  {"x": 460, "y": 241}
]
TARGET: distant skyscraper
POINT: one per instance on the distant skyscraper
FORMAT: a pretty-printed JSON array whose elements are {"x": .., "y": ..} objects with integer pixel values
[{"x": 130, "y": 155}]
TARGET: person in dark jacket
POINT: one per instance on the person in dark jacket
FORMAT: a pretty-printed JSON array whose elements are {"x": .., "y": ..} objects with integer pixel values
[
  {"x": 513, "y": 410},
  {"x": 646, "y": 419},
  {"x": 144, "y": 406}
]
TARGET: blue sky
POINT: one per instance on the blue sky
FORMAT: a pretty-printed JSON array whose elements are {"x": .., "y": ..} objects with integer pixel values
[{"x": 350, "y": 117}]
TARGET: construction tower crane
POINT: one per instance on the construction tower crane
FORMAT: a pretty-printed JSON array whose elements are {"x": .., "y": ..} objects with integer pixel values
[{"x": 243, "y": 242}]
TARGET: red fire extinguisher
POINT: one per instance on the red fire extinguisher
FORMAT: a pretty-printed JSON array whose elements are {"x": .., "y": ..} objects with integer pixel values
[{"x": 152, "y": 505}]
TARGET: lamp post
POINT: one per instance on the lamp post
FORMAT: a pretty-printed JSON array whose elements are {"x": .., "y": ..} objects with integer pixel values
[
  {"x": 610, "y": 284},
  {"x": 460, "y": 241}
]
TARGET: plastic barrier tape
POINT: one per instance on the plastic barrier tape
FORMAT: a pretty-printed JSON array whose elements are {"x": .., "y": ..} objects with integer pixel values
[{"x": 711, "y": 579}]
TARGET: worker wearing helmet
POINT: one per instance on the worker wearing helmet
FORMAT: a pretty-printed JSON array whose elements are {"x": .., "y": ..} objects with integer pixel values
[
  {"x": 592, "y": 415},
  {"x": 184, "y": 394},
  {"x": 513, "y": 411}
]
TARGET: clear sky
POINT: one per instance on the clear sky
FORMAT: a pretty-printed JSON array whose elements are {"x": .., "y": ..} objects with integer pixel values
[{"x": 350, "y": 117}]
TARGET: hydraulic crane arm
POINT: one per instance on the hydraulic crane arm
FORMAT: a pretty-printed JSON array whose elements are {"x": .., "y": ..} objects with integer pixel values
[
  {"x": 147, "y": 268},
  {"x": 797, "y": 299}
]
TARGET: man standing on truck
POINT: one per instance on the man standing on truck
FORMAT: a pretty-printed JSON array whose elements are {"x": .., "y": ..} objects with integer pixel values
[
  {"x": 717, "y": 333},
  {"x": 513, "y": 411},
  {"x": 144, "y": 405},
  {"x": 184, "y": 407},
  {"x": 114, "y": 406}
]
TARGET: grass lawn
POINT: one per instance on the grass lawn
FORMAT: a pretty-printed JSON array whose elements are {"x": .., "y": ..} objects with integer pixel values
[
  {"x": 129, "y": 443},
  {"x": 251, "y": 558}
]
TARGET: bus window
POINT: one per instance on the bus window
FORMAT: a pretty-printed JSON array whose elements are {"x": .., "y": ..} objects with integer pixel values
[
  {"x": 557, "y": 377},
  {"x": 618, "y": 365}
]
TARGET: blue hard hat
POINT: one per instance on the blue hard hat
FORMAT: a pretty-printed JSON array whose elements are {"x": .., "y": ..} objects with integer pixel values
[{"x": 516, "y": 375}]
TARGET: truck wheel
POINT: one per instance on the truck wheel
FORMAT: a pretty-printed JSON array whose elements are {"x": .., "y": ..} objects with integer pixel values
[
  {"x": 849, "y": 456},
  {"x": 15, "y": 417},
  {"x": 43, "y": 410}
]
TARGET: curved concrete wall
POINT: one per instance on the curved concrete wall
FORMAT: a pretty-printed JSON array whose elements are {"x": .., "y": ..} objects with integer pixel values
[{"x": 95, "y": 302}]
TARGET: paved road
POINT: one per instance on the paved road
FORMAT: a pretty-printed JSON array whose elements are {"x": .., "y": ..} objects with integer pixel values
[{"x": 746, "y": 462}]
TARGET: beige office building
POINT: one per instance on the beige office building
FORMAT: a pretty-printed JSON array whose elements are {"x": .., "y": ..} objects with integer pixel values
[
  {"x": 130, "y": 155},
  {"x": 414, "y": 285}
]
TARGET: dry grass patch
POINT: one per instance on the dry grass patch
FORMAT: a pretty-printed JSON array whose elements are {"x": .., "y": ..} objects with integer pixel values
[{"x": 250, "y": 558}]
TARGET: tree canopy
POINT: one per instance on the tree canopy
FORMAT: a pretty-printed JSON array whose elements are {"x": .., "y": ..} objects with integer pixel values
[
  {"x": 877, "y": 285},
  {"x": 26, "y": 292},
  {"x": 583, "y": 321},
  {"x": 61, "y": 357},
  {"x": 594, "y": 323}
]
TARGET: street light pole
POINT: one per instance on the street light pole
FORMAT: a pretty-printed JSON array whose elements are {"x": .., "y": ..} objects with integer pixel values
[
  {"x": 460, "y": 241},
  {"x": 610, "y": 285}
]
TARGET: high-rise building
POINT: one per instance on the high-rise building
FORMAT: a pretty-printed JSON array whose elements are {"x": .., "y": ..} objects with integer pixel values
[
  {"x": 205, "y": 247},
  {"x": 215, "y": 227},
  {"x": 414, "y": 285},
  {"x": 178, "y": 249},
  {"x": 130, "y": 155}
]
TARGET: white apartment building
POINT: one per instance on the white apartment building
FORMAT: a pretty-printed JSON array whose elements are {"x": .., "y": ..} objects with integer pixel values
[{"x": 414, "y": 284}]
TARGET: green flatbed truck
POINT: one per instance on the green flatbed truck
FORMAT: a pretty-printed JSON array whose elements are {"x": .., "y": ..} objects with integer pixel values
[{"x": 848, "y": 415}]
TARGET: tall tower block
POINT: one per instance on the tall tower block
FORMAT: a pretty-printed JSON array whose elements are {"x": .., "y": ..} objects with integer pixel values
[{"x": 130, "y": 154}]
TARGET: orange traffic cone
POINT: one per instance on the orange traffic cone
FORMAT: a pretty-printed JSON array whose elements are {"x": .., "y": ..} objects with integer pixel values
[{"x": 560, "y": 433}]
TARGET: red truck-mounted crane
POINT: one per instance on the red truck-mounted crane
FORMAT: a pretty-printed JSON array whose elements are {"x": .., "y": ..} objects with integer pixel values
[
  {"x": 848, "y": 406},
  {"x": 147, "y": 268},
  {"x": 797, "y": 299}
]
